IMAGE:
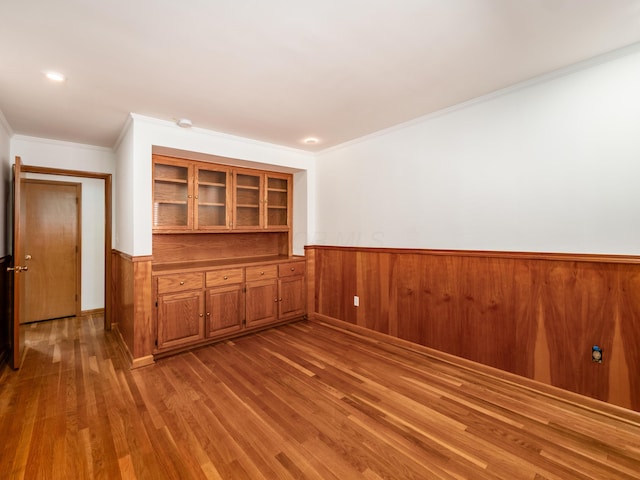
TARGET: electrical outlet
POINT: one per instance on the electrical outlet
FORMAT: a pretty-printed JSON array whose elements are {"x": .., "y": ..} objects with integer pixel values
[
  {"x": 356, "y": 301},
  {"x": 596, "y": 354}
]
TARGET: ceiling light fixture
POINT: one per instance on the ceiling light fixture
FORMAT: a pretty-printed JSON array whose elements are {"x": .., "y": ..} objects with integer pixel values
[
  {"x": 184, "y": 123},
  {"x": 55, "y": 76},
  {"x": 311, "y": 140}
]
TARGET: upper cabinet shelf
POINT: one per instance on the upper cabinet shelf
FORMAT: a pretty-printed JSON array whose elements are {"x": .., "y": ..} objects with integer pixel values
[{"x": 191, "y": 196}]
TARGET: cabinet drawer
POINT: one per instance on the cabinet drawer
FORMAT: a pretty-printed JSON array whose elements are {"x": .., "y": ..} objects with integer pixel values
[
  {"x": 290, "y": 269},
  {"x": 262, "y": 272},
  {"x": 227, "y": 276},
  {"x": 179, "y": 282}
]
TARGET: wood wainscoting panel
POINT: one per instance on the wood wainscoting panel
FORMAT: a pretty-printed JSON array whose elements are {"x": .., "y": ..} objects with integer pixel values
[
  {"x": 578, "y": 304},
  {"x": 628, "y": 326},
  {"x": 133, "y": 314},
  {"x": 6, "y": 315},
  {"x": 535, "y": 315},
  {"x": 336, "y": 297}
]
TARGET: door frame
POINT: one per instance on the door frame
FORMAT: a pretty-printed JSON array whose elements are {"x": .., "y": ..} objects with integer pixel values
[{"x": 108, "y": 291}]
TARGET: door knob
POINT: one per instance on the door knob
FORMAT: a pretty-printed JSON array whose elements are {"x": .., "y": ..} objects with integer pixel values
[{"x": 17, "y": 269}]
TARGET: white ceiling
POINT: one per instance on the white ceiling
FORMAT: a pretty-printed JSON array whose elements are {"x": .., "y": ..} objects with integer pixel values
[{"x": 282, "y": 70}]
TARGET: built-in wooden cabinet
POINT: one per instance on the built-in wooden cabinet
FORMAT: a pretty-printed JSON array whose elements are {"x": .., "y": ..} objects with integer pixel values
[
  {"x": 222, "y": 259},
  {"x": 197, "y": 306},
  {"x": 191, "y": 196}
]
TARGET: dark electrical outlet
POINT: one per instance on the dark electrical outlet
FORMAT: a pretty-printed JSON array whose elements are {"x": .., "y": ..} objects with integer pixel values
[{"x": 596, "y": 354}]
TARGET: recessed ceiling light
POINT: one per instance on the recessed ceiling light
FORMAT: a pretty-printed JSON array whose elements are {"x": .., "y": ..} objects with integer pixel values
[
  {"x": 55, "y": 76},
  {"x": 311, "y": 140},
  {"x": 184, "y": 123}
]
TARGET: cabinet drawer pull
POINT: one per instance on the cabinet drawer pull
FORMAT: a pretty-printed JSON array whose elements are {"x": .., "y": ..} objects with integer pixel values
[
  {"x": 293, "y": 269},
  {"x": 261, "y": 273},
  {"x": 225, "y": 277},
  {"x": 182, "y": 283}
]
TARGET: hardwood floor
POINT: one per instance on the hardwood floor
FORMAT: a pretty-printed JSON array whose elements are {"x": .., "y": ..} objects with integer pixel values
[{"x": 302, "y": 401}]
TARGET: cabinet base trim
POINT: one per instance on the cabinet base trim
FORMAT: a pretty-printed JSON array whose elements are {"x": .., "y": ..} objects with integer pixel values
[
  {"x": 133, "y": 362},
  {"x": 223, "y": 338}
]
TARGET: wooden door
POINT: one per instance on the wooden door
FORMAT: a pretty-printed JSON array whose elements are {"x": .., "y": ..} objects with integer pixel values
[
  {"x": 17, "y": 267},
  {"x": 51, "y": 239}
]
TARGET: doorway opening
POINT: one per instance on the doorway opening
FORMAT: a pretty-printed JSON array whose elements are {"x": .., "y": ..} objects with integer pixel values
[{"x": 107, "y": 182}]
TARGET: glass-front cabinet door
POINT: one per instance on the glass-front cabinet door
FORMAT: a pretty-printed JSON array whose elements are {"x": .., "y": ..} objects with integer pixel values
[
  {"x": 213, "y": 198},
  {"x": 248, "y": 199},
  {"x": 172, "y": 196},
  {"x": 277, "y": 204}
]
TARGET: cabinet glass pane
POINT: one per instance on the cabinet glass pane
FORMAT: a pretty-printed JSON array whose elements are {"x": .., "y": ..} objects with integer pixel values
[
  {"x": 277, "y": 199},
  {"x": 170, "y": 192},
  {"x": 170, "y": 214},
  {"x": 212, "y": 177},
  {"x": 248, "y": 198},
  {"x": 277, "y": 217},
  {"x": 277, "y": 184},
  {"x": 247, "y": 216},
  {"x": 212, "y": 198},
  {"x": 277, "y": 202},
  {"x": 212, "y": 215},
  {"x": 243, "y": 180},
  {"x": 171, "y": 172}
]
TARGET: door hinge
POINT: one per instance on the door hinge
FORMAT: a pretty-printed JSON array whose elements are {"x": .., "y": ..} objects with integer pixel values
[{"x": 156, "y": 342}]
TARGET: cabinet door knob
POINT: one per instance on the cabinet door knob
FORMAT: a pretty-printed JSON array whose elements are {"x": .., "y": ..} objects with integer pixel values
[
  {"x": 201, "y": 315},
  {"x": 279, "y": 299},
  {"x": 293, "y": 269},
  {"x": 208, "y": 314},
  {"x": 261, "y": 273},
  {"x": 189, "y": 196},
  {"x": 275, "y": 299},
  {"x": 225, "y": 277},
  {"x": 181, "y": 283}
]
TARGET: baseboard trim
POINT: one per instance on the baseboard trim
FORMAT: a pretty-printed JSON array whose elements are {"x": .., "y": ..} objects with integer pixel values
[
  {"x": 580, "y": 401},
  {"x": 133, "y": 362},
  {"x": 95, "y": 311},
  {"x": 142, "y": 362}
]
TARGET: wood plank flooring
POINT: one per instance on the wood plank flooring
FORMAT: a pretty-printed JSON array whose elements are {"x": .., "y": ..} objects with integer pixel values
[{"x": 303, "y": 401}]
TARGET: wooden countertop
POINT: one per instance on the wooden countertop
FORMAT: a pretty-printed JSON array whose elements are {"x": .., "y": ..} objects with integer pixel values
[{"x": 213, "y": 264}]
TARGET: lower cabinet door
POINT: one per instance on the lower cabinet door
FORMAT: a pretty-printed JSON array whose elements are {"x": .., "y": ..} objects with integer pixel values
[
  {"x": 224, "y": 310},
  {"x": 291, "y": 301},
  {"x": 180, "y": 319},
  {"x": 262, "y": 302}
]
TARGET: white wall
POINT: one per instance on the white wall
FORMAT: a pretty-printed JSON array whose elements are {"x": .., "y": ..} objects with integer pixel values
[
  {"x": 71, "y": 156},
  {"x": 5, "y": 180},
  {"x": 552, "y": 165},
  {"x": 143, "y": 135}
]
